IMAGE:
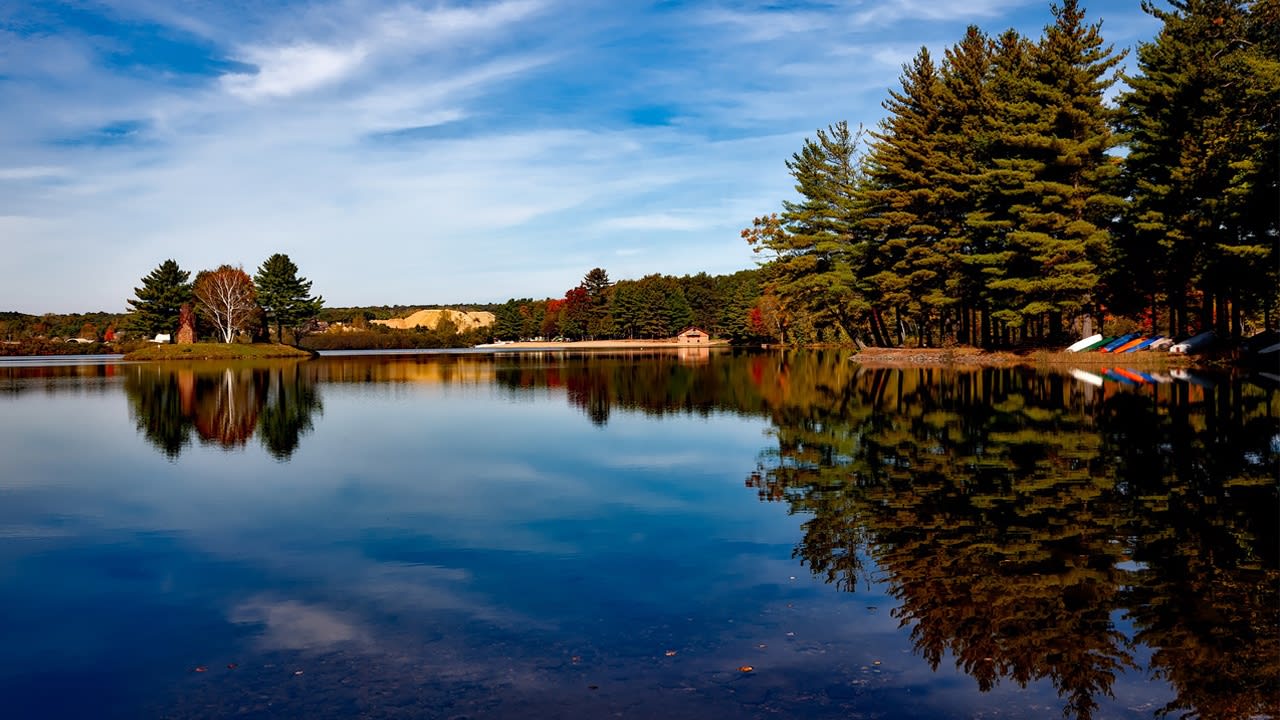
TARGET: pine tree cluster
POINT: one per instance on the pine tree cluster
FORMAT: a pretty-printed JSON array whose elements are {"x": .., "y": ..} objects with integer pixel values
[{"x": 1003, "y": 200}]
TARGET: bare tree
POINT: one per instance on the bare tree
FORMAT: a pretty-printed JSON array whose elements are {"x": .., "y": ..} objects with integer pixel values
[{"x": 228, "y": 299}]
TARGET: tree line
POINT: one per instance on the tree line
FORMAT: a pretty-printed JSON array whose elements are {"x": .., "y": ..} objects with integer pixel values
[
  {"x": 654, "y": 306},
  {"x": 1004, "y": 201},
  {"x": 224, "y": 303}
]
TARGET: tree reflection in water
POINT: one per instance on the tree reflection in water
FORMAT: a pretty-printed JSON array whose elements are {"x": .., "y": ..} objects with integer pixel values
[
  {"x": 1031, "y": 526},
  {"x": 222, "y": 405}
]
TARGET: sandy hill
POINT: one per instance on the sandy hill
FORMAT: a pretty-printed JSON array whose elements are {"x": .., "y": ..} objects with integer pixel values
[{"x": 429, "y": 318}]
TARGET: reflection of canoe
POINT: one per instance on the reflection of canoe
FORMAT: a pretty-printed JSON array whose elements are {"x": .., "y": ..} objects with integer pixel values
[
  {"x": 1265, "y": 341},
  {"x": 1196, "y": 344},
  {"x": 1086, "y": 377},
  {"x": 1190, "y": 377},
  {"x": 1135, "y": 377},
  {"x": 1130, "y": 345},
  {"x": 1096, "y": 345},
  {"x": 1118, "y": 342},
  {"x": 1144, "y": 344},
  {"x": 1117, "y": 376},
  {"x": 1079, "y": 345}
]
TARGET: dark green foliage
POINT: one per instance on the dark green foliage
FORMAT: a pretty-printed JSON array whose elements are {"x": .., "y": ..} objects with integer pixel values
[
  {"x": 1204, "y": 148},
  {"x": 652, "y": 307},
  {"x": 1043, "y": 203},
  {"x": 284, "y": 297},
  {"x": 900, "y": 202},
  {"x": 815, "y": 249},
  {"x": 157, "y": 302},
  {"x": 599, "y": 321},
  {"x": 995, "y": 205}
]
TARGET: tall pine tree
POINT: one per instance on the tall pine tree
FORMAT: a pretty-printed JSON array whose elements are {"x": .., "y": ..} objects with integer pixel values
[
  {"x": 999, "y": 175},
  {"x": 817, "y": 251},
  {"x": 901, "y": 201},
  {"x": 284, "y": 297},
  {"x": 159, "y": 300},
  {"x": 1201, "y": 121},
  {"x": 964, "y": 136},
  {"x": 1062, "y": 209}
]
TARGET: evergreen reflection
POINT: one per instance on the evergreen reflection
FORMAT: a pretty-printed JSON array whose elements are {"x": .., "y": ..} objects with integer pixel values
[
  {"x": 1029, "y": 525},
  {"x": 222, "y": 405},
  {"x": 1003, "y": 506}
]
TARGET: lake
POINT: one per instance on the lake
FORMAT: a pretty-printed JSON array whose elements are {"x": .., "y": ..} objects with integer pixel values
[{"x": 667, "y": 534}]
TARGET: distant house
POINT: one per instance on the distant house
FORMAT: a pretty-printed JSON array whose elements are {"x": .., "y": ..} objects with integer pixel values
[
  {"x": 162, "y": 338},
  {"x": 692, "y": 336}
]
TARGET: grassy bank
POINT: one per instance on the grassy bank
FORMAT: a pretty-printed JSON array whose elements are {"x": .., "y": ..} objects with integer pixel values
[
  {"x": 966, "y": 356},
  {"x": 218, "y": 351}
]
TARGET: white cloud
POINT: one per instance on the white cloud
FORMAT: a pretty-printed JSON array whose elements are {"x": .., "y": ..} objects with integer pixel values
[
  {"x": 389, "y": 37},
  {"x": 293, "y": 69},
  {"x": 34, "y": 172},
  {"x": 655, "y": 221}
]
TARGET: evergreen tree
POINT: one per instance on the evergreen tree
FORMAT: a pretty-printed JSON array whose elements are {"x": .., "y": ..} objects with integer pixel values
[
  {"x": 901, "y": 199},
  {"x": 997, "y": 178},
  {"x": 1062, "y": 205},
  {"x": 158, "y": 301},
  {"x": 596, "y": 284},
  {"x": 284, "y": 297},
  {"x": 964, "y": 138},
  {"x": 818, "y": 264},
  {"x": 1201, "y": 122}
]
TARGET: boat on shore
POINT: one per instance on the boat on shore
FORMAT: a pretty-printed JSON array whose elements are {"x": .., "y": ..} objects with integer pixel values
[
  {"x": 1195, "y": 344},
  {"x": 1083, "y": 343},
  {"x": 1109, "y": 347},
  {"x": 1145, "y": 344}
]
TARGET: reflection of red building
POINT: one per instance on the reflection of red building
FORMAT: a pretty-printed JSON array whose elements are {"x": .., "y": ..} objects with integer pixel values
[{"x": 694, "y": 355}]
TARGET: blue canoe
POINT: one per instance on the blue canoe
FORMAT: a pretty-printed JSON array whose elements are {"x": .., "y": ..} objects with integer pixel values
[
  {"x": 1144, "y": 344},
  {"x": 1119, "y": 341}
]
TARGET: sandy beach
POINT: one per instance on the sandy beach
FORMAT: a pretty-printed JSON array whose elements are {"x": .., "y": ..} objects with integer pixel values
[{"x": 665, "y": 343}]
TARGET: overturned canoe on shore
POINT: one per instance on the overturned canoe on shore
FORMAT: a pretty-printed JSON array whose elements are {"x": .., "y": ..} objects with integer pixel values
[
  {"x": 1098, "y": 345},
  {"x": 1118, "y": 342},
  {"x": 1130, "y": 345},
  {"x": 1145, "y": 344},
  {"x": 1196, "y": 344},
  {"x": 1079, "y": 345}
]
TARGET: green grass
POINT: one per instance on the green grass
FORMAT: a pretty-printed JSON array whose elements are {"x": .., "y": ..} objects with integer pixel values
[{"x": 218, "y": 351}]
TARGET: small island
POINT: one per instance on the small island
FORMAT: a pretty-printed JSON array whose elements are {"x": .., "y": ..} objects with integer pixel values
[{"x": 219, "y": 351}]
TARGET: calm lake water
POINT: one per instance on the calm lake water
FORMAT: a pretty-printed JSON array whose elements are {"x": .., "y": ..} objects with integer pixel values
[{"x": 666, "y": 535}]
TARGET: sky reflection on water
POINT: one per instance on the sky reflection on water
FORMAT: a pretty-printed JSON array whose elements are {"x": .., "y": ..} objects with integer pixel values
[{"x": 531, "y": 537}]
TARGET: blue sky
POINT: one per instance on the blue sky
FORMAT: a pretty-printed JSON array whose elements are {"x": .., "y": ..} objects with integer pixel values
[{"x": 408, "y": 151}]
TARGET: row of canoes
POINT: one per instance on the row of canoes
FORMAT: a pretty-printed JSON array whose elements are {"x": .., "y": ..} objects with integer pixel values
[
  {"x": 1264, "y": 346},
  {"x": 1133, "y": 342}
]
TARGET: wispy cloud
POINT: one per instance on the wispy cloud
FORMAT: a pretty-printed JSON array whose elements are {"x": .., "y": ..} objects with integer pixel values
[
  {"x": 289, "y": 70},
  {"x": 35, "y": 172}
]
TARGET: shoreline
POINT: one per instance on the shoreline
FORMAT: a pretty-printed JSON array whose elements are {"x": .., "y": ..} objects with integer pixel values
[{"x": 967, "y": 356}]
